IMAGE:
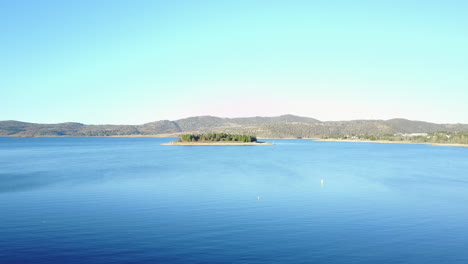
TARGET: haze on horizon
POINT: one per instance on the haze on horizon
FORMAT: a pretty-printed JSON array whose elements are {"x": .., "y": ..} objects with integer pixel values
[{"x": 133, "y": 62}]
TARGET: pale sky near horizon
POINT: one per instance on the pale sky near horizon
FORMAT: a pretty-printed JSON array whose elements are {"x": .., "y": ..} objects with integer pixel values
[{"x": 132, "y": 62}]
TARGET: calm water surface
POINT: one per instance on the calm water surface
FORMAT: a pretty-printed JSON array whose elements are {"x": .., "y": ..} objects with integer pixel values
[{"x": 131, "y": 200}]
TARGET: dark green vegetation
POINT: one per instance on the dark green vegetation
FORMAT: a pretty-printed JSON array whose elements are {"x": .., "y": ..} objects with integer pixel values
[
  {"x": 439, "y": 137},
  {"x": 286, "y": 126},
  {"x": 214, "y": 137}
]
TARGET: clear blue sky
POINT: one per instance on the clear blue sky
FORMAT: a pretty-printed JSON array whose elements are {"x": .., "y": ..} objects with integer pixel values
[{"x": 131, "y": 62}]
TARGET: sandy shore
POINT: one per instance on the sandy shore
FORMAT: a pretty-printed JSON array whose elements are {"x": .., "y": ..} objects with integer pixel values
[
  {"x": 393, "y": 142},
  {"x": 175, "y": 143}
]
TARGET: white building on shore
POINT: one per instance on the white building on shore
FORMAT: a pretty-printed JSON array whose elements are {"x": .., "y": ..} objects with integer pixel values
[{"x": 411, "y": 134}]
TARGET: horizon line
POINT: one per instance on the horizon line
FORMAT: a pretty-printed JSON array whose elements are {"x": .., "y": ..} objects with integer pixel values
[{"x": 173, "y": 120}]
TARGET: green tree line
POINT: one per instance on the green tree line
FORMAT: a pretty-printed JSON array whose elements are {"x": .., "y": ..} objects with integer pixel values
[{"x": 217, "y": 137}]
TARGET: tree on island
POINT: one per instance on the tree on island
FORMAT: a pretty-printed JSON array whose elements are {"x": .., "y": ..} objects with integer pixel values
[{"x": 217, "y": 137}]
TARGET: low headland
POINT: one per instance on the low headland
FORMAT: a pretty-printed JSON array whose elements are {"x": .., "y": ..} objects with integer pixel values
[
  {"x": 437, "y": 139},
  {"x": 217, "y": 139}
]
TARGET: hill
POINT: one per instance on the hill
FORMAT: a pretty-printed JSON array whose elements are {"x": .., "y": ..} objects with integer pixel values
[{"x": 285, "y": 126}]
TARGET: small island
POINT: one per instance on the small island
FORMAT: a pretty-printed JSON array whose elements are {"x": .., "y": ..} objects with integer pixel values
[{"x": 217, "y": 139}]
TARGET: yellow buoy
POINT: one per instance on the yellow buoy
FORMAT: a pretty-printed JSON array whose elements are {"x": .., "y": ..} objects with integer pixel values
[{"x": 321, "y": 182}]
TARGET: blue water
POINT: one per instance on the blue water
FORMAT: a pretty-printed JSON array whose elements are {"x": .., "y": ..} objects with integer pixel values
[{"x": 132, "y": 200}]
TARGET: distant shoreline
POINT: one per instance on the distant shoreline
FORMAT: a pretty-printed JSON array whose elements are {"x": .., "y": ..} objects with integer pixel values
[
  {"x": 392, "y": 142},
  {"x": 217, "y": 143},
  {"x": 284, "y": 126},
  {"x": 113, "y": 136},
  {"x": 250, "y": 143}
]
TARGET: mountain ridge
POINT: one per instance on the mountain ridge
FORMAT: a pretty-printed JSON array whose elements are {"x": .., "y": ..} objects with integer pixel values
[{"x": 284, "y": 126}]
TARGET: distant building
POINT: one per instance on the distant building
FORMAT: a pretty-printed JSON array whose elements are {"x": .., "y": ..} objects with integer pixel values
[
  {"x": 418, "y": 135},
  {"x": 411, "y": 134}
]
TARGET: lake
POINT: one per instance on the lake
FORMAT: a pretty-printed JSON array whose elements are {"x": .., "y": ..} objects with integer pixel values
[{"x": 132, "y": 200}]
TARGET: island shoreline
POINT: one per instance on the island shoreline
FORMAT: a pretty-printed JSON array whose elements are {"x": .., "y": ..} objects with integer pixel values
[{"x": 175, "y": 143}]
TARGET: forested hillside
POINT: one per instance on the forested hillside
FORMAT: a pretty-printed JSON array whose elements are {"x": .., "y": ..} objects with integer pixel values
[{"x": 286, "y": 126}]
